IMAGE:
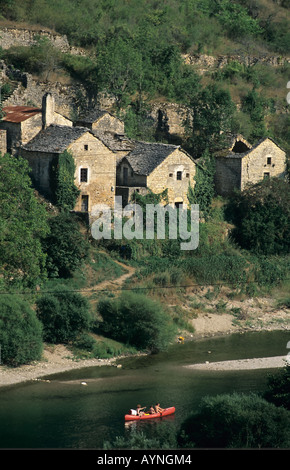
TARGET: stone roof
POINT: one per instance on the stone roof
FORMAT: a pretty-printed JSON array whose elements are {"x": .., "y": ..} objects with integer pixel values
[
  {"x": 115, "y": 142},
  {"x": 55, "y": 138},
  {"x": 232, "y": 154},
  {"x": 19, "y": 113},
  {"x": 93, "y": 116},
  {"x": 145, "y": 157}
]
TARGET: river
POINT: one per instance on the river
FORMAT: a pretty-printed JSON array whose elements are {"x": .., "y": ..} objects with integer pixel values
[{"x": 84, "y": 408}]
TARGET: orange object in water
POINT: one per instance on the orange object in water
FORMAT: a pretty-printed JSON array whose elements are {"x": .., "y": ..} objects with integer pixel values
[{"x": 166, "y": 412}]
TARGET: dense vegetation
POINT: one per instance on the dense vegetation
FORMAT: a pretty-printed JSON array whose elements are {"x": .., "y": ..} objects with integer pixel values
[
  {"x": 152, "y": 37},
  {"x": 134, "y": 53}
]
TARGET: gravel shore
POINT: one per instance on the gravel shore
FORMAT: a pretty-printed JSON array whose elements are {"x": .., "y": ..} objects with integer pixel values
[{"x": 58, "y": 358}]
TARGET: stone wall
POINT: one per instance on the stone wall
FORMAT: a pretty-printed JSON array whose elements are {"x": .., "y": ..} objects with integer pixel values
[
  {"x": 265, "y": 160},
  {"x": 165, "y": 177},
  {"x": 27, "y": 37},
  {"x": 227, "y": 175},
  {"x": 40, "y": 164},
  {"x": 89, "y": 153},
  {"x": 3, "y": 141}
]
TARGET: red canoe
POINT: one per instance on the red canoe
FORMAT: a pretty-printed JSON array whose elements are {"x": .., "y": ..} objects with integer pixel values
[{"x": 166, "y": 412}]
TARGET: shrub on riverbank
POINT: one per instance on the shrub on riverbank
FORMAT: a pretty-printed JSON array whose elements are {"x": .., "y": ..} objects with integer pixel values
[
  {"x": 136, "y": 320},
  {"x": 20, "y": 332},
  {"x": 236, "y": 421},
  {"x": 64, "y": 315}
]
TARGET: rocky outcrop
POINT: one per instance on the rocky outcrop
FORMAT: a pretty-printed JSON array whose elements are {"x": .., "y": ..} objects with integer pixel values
[
  {"x": 10, "y": 36},
  {"x": 204, "y": 63}
]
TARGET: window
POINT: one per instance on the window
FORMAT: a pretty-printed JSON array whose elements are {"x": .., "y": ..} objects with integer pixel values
[
  {"x": 86, "y": 147},
  {"x": 85, "y": 203},
  {"x": 84, "y": 175},
  {"x": 266, "y": 176},
  {"x": 179, "y": 175},
  {"x": 170, "y": 175},
  {"x": 187, "y": 175},
  {"x": 269, "y": 160}
]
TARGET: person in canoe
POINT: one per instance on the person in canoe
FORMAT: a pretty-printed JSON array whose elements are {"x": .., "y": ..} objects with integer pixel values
[
  {"x": 158, "y": 409},
  {"x": 140, "y": 411},
  {"x": 152, "y": 410}
]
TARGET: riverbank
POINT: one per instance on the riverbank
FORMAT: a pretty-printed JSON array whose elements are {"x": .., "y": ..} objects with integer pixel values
[{"x": 58, "y": 358}]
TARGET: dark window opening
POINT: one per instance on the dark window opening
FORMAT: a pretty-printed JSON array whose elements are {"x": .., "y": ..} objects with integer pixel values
[
  {"x": 86, "y": 147},
  {"x": 125, "y": 176},
  {"x": 187, "y": 175},
  {"x": 84, "y": 175},
  {"x": 240, "y": 147},
  {"x": 269, "y": 160},
  {"x": 179, "y": 175},
  {"x": 178, "y": 205},
  {"x": 170, "y": 175},
  {"x": 85, "y": 203},
  {"x": 266, "y": 176}
]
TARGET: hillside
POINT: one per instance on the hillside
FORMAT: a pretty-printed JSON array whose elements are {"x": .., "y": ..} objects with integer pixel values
[{"x": 241, "y": 46}]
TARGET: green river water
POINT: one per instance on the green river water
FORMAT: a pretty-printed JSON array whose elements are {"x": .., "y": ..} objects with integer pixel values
[{"x": 64, "y": 414}]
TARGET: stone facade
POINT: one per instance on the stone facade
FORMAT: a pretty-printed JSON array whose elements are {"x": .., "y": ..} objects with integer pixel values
[
  {"x": 237, "y": 170},
  {"x": 158, "y": 167},
  {"x": 95, "y": 173}
]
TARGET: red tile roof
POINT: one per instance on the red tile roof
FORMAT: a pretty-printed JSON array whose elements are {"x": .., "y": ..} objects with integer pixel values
[{"x": 19, "y": 113}]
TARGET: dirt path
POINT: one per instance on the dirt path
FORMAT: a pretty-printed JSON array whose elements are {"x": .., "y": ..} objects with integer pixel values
[{"x": 57, "y": 358}]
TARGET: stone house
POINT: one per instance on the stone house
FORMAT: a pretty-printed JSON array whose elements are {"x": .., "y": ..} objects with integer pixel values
[
  {"x": 157, "y": 167},
  {"x": 22, "y": 123},
  {"x": 95, "y": 173},
  {"x": 243, "y": 165}
]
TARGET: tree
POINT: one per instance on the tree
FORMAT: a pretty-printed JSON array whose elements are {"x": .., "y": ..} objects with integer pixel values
[
  {"x": 20, "y": 332},
  {"x": 66, "y": 247},
  {"x": 278, "y": 391},
  {"x": 62, "y": 181},
  {"x": 137, "y": 320},
  {"x": 210, "y": 120},
  {"x": 236, "y": 421},
  {"x": 203, "y": 191},
  {"x": 23, "y": 225},
  {"x": 64, "y": 315},
  {"x": 261, "y": 215}
]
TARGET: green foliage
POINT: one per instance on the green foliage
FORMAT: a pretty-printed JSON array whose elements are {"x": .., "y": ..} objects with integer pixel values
[
  {"x": 236, "y": 421},
  {"x": 278, "y": 391},
  {"x": 210, "y": 120},
  {"x": 20, "y": 332},
  {"x": 203, "y": 191},
  {"x": 261, "y": 217},
  {"x": 64, "y": 315},
  {"x": 23, "y": 224},
  {"x": 41, "y": 58},
  {"x": 137, "y": 320},
  {"x": 62, "y": 181},
  {"x": 65, "y": 246},
  {"x": 164, "y": 439}
]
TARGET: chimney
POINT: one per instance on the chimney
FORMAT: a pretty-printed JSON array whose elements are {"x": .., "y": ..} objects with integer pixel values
[{"x": 47, "y": 110}]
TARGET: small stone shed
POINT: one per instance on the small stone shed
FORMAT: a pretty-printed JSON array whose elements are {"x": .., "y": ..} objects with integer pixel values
[
  {"x": 244, "y": 165},
  {"x": 157, "y": 167},
  {"x": 95, "y": 173}
]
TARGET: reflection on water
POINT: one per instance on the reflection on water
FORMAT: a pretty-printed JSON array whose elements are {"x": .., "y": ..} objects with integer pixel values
[{"x": 64, "y": 413}]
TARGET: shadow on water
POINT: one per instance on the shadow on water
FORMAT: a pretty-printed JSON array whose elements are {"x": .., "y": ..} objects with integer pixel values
[{"x": 84, "y": 408}]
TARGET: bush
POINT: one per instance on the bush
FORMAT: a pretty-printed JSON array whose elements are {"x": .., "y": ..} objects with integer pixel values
[
  {"x": 236, "y": 421},
  {"x": 65, "y": 246},
  {"x": 261, "y": 216},
  {"x": 278, "y": 391},
  {"x": 136, "y": 320},
  {"x": 64, "y": 315},
  {"x": 20, "y": 332}
]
